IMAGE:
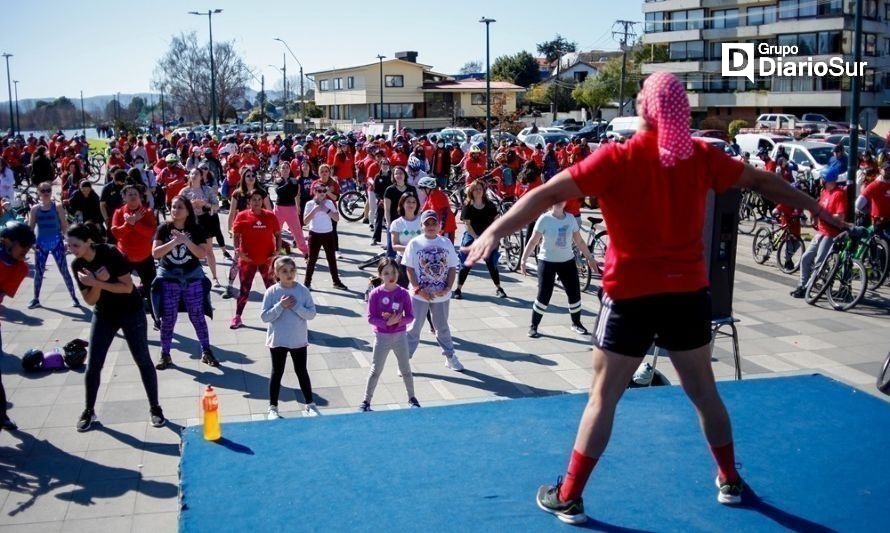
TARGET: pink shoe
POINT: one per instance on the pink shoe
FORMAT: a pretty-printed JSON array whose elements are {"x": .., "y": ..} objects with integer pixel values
[{"x": 235, "y": 323}]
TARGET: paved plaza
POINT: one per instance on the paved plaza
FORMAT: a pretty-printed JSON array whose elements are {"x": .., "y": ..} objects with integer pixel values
[{"x": 122, "y": 476}]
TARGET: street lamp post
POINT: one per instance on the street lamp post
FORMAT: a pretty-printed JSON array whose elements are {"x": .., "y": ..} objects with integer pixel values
[
  {"x": 7, "y": 55},
  {"x": 210, "y": 14},
  {"x": 487, "y": 22},
  {"x": 380, "y": 115},
  {"x": 83, "y": 115},
  {"x": 284, "y": 90},
  {"x": 163, "y": 113},
  {"x": 302, "y": 102},
  {"x": 18, "y": 121},
  {"x": 117, "y": 108}
]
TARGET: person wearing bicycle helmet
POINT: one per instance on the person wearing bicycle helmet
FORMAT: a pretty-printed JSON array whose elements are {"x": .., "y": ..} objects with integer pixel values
[
  {"x": 16, "y": 240},
  {"x": 474, "y": 165},
  {"x": 437, "y": 201},
  {"x": 832, "y": 200},
  {"x": 659, "y": 179},
  {"x": 172, "y": 178}
]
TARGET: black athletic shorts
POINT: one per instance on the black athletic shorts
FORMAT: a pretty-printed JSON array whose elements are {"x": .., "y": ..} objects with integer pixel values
[{"x": 674, "y": 321}]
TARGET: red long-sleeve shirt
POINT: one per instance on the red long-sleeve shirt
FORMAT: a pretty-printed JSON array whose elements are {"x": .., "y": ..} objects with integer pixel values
[{"x": 134, "y": 240}]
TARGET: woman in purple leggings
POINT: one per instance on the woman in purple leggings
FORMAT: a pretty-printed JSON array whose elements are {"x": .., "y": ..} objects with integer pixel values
[{"x": 179, "y": 247}]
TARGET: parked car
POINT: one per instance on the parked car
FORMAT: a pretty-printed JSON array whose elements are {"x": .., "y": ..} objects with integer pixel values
[
  {"x": 714, "y": 134},
  {"x": 181, "y": 131},
  {"x": 753, "y": 142},
  {"x": 456, "y": 135},
  {"x": 589, "y": 133},
  {"x": 875, "y": 142},
  {"x": 541, "y": 129},
  {"x": 822, "y": 122},
  {"x": 808, "y": 155},
  {"x": 620, "y": 135},
  {"x": 721, "y": 144},
  {"x": 545, "y": 138},
  {"x": 784, "y": 121},
  {"x": 496, "y": 137},
  {"x": 624, "y": 123},
  {"x": 564, "y": 123}
]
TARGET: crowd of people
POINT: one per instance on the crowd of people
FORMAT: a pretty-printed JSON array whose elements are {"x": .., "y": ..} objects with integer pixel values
[{"x": 158, "y": 217}]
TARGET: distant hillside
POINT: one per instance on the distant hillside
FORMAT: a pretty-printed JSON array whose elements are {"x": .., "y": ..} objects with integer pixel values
[{"x": 99, "y": 102}]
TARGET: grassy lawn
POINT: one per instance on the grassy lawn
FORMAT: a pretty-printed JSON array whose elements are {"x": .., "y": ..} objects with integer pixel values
[{"x": 97, "y": 145}]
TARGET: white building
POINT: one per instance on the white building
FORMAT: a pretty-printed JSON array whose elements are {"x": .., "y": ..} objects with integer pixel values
[{"x": 693, "y": 31}]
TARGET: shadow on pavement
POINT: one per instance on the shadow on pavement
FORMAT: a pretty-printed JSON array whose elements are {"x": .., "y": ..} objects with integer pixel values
[{"x": 37, "y": 473}]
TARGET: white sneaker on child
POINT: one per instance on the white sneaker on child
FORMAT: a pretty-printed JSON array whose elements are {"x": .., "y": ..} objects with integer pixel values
[
  {"x": 311, "y": 410},
  {"x": 273, "y": 413},
  {"x": 453, "y": 363}
]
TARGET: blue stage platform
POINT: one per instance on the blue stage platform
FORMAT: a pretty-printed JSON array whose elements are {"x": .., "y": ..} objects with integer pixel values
[{"x": 815, "y": 452}]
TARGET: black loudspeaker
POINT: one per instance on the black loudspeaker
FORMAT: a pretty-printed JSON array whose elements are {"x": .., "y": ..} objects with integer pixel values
[{"x": 720, "y": 237}]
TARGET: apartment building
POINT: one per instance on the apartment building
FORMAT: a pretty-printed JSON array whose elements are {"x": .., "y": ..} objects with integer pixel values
[{"x": 693, "y": 31}]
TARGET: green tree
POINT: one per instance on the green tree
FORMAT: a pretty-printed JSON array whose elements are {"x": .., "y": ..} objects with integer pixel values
[
  {"x": 593, "y": 94},
  {"x": 471, "y": 67},
  {"x": 520, "y": 69},
  {"x": 556, "y": 48}
]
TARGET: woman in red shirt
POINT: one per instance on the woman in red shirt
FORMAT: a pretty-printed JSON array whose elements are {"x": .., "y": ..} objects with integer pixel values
[
  {"x": 652, "y": 191},
  {"x": 257, "y": 237}
]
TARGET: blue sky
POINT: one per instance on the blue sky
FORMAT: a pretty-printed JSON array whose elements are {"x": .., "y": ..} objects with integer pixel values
[{"x": 104, "y": 47}]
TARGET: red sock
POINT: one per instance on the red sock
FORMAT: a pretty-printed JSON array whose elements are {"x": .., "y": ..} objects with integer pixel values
[
  {"x": 725, "y": 457},
  {"x": 580, "y": 467}
]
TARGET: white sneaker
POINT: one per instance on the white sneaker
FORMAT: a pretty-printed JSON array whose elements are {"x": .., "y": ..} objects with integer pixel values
[
  {"x": 454, "y": 364},
  {"x": 311, "y": 410},
  {"x": 273, "y": 413},
  {"x": 644, "y": 374}
]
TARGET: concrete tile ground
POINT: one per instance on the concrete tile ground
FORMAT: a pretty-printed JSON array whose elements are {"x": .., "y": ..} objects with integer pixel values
[{"x": 123, "y": 475}]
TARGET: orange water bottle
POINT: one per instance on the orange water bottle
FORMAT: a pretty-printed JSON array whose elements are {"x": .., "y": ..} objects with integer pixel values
[{"x": 210, "y": 404}]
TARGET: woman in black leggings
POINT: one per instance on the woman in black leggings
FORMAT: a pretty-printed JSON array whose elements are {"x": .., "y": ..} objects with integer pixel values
[
  {"x": 556, "y": 231},
  {"x": 103, "y": 276},
  {"x": 478, "y": 213}
]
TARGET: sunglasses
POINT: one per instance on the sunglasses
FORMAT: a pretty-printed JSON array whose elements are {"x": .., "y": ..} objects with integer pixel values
[
  {"x": 44, "y": 191},
  {"x": 320, "y": 190},
  {"x": 249, "y": 176}
]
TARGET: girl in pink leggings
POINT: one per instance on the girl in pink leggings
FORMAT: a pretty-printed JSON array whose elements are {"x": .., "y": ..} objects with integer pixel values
[{"x": 287, "y": 209}]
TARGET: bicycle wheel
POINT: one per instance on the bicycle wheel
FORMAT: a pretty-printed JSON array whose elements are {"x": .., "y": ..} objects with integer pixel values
[
  {"x": 789, "y": 261},
  {"x": 876, "y": 261},
  {"x": 747, "y": 223},
  {"x": 884, "y": 377},
  {"x": 847, "y": 286},
  {"x": 584, "y": 273},
  {"x": 599, "y": 245},
  {"x": 762, "y": 246},
  {"x": 352, "y": 205},
  {"x": 821, "y": 278},
  {"x": 454, "y": 200},
  {"x": 512, "y": 250}
]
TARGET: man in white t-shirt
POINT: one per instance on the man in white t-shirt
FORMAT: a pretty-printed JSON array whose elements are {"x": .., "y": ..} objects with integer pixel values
[{"x": 432, "y": 262}]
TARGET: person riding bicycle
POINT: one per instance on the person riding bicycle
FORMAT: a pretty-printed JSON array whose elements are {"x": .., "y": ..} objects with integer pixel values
[
  {"x": 474, "y": 165},
  {"x": 832, "y": 200},
  {"x": 877, "y": 195}
]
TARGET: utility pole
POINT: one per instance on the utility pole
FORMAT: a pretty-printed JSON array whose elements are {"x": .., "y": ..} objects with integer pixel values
[
  {"x": 284, "y": 77},
  {"x": 380, "y": 114},
  {"x": 7, "y": 55},
  {"x": 625, "y": 34},
  {"x": 210, "y": 14},
  {"x": 262, "y": 103},
  {"x": 83, "y": 115},
  {"x": 855, "y": 86},
  {"x": 163, "y": 114},
  {"x": 487, "y": 22},
  {"x": 18, "y": 121},
  {"x": 555, "y": 103},
  {"x": 302, "y": 92}
]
